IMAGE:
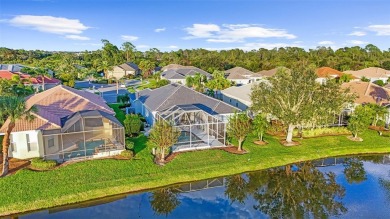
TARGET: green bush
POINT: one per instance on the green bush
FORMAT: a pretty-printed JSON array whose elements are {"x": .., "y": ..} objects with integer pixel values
[
  {"x": 307, "y": 133},
  {"x": 379, "y": 82},
  {"x": 41, "y": 164},
  {"x": 127, "y": 154},
  {"x": 130, "y": 145}
]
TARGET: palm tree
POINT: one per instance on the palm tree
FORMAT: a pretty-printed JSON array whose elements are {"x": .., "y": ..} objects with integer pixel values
[{"x": 12, "y": 108}]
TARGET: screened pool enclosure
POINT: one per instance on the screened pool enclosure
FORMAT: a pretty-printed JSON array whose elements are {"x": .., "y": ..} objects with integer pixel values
[
  {"x": 85, "y": 134},
  {"x": 199, "y": 129}
]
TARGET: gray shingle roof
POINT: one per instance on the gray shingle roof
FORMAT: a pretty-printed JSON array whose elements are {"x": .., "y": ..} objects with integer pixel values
[
  {"x": 174, "y": 94},
  {"x": 182, "y": 72},
  {"x": 129, "y": 66}
]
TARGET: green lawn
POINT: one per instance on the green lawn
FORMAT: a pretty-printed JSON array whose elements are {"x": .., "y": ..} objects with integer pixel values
[
  {"x": 29, "y": 190},
  {"x": 119, "y": 114}
]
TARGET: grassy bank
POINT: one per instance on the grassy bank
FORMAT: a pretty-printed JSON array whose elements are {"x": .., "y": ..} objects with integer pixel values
[
  {"x": 29, "y": 190},
  {"x": 119, "y": 114}
]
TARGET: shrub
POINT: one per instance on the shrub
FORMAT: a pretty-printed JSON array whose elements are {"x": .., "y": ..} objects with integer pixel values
[
  {"x": 130, "y": 145},
  {"x": 127, "y": 154},
  {"x": 41, "y": 164},
  {"x": 379, "y": 83},
  {"x": 308, "y": 133}
]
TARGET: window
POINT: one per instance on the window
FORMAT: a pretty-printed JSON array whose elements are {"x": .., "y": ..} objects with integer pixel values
[
  {"x": 50, "y": 141},
  {"x": 236, "y": 104},
  {"x": 31, "y": 146},
  {"x": 230, "y": 100},
  {"x": 13, "y": 145}
]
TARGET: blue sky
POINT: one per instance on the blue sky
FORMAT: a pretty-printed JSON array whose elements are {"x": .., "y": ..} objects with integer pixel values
[{"x": 77, "y": 25}]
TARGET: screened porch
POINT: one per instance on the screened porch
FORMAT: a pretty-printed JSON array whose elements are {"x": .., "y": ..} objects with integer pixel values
[
  {"x": 85, "y": 134},
  {"x": 199, "y": 129}
]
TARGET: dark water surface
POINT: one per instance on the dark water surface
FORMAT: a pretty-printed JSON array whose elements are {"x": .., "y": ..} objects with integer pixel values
[{"x": 351, "y": 187}]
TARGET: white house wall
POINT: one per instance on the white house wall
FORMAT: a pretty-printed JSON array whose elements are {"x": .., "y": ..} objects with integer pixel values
[
  {"x": 234, "y": 102},
  {"x": 19, "y": 141}
]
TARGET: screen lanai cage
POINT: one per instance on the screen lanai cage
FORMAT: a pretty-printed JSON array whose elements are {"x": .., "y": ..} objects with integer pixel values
[
  {"x": 85, "y": 134},
  {"x": 199, "y": 129}
]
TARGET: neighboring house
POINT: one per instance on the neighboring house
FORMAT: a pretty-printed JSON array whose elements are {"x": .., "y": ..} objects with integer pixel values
[
  {"x": 241, "y": 76},
  {"x": 11, "y": 67},
  {"x": 126, "y": 69},
  {"x": 178, "y": 73},
  {"x": 368, "y": 92},
  {"x": 238, "y": 96},
  {"x": 325, "y": 73},
  {"x": 36, "y": 82},
  {"x": 270, "y": 73},
  {"x": 372, "y": 73},
  {"x": 68, "y": 124},
  {"x": 200, "y": 118}
]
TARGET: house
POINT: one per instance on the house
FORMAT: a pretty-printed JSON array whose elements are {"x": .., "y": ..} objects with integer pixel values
[
  {"x": 241, "y": 76},
  {"x": 11, "y": 67},
  {"x": 368, "y": 92},
  {"x": 123, "y": 70},
  {"x": 372, "y": 73},
  {"x": 68, "y": 124},
  {"x": 178, "y": 73},
  {"x": 201, "y": 119},
  {"x": 271, "y": 72},
  {"x": 324, "y": 73},
  {"x": 238, "y": 96},
  {"x": 36, "y": 82}
]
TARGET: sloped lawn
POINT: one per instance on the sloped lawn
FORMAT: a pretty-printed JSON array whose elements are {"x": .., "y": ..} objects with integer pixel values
[{"x": 29, "y": 190}]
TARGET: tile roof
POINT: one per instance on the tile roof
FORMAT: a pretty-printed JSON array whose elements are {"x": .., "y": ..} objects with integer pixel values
[
  {"x": 170, "y": 95},
  {"x": 56, "y": 103},
  {"x": 270, "y": 73},
  {"x": 239, "y": 71},
  {"x": 368, "y": 92},
  {"x": 325, "y": 72},
  {"x": 371, "y": 72},
  {"x": 34, "y": 80}
]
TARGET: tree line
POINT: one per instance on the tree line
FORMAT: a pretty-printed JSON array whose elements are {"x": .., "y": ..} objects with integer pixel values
[{"x": 81, "y": 63}]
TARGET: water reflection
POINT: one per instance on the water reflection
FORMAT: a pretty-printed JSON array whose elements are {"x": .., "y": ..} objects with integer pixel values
[
  {"x": 164, "y": 201},
  {"x": 351, "y": 187}
]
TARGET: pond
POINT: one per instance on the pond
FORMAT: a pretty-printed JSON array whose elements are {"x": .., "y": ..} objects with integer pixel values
[{"x": 350, "y": 187}]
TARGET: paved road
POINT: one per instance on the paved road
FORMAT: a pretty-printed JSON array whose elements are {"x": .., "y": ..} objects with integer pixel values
[
  {"x": 108, "y": 91},
  {"x": 87, "y": 84}
]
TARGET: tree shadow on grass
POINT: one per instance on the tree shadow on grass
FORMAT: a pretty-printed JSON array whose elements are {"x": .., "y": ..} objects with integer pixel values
[{"x": 140, "y": 143}]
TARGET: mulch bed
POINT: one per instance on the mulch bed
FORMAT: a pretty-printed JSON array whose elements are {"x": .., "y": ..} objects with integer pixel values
[
  {"x": 232, "y": 149},
  {"x": 289, "y": 144},
  {"x": 260, "y": 142},
  {"x": 14, "y": 164}
]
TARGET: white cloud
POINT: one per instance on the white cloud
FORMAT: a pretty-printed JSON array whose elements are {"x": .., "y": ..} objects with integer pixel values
[
  {"x": 357, "y": 42},
  {"x": 49, "y": 24},
  {"x": 358, "y": 33},
  {"x": 76, "y": 37},
  {"x": 129, "y": 38},
  {"x": 201, "y": 30},
  {"x": 326, "y": 42},
  {"x": 381, "y": 30},
  {"x": 229, "y": 33},
  {"x": 158, "y": 30},
  {"x": 172, "y": 47}
]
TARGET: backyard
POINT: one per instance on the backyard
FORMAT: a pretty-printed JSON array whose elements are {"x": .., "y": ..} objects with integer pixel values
[{"x": 99, "y": 178}]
